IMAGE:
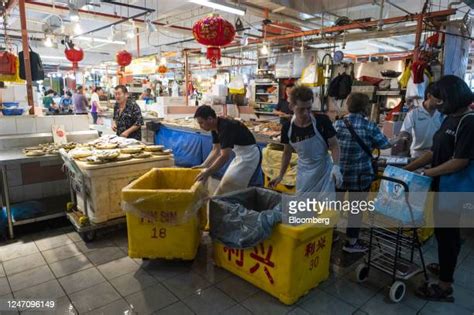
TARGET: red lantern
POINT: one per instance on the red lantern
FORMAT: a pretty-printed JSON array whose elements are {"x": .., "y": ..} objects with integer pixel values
[
  {"x": 74, "y": 55},
  {"x": 214, "y": 32},
  {"x": 162, "y": 69},
  {"x": 123, "y": 58}
]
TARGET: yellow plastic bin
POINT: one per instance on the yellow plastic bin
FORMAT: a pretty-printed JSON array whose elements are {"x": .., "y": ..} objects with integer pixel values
[
  {"x": 287, "y": 265},
  {"x": 165, "y": 213}
]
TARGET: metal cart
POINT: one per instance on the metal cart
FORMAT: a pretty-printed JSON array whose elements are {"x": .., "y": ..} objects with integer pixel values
[
  {"x": 392, "y": 251},
  {"x": 87, "y": 230}
]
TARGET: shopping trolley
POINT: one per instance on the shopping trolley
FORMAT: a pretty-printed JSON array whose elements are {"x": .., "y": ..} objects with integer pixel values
[{"x": 392, "y": 249}]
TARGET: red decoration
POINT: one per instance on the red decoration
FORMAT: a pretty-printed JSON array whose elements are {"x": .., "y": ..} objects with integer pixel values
[
  {"x": 74, "y": 55},
  {"x": 123, "y": 58},
  {"x": 213, "y": 55},
  {"x": 162, "y": 69},
  {"x": 214, "y": 32}
]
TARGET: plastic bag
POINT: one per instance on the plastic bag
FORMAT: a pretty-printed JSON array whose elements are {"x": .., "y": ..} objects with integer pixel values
[
  {"x": 312, "y": 75},
  {"x": 244, "y": 218},
  {"x": 391, "y": 201},
  {"x": 405, "y": 77},
  {"x": 236, "y": 86}
]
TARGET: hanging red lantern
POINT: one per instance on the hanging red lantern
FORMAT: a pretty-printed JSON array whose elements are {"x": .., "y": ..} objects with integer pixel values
[
  {"x": 162, "y": 69},
  {"x": 214, "y": 32},
  {"x": 123, "y": 58},
  {"x": 74, "y": 55}
]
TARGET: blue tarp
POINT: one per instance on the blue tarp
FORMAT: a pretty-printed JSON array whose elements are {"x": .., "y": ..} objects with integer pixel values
[{"x": 192, "y": 148}]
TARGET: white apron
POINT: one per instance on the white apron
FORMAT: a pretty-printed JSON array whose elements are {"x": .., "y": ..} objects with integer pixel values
[
  {"x": 314, "y": 163},
  {"x": 241, "y": 169}
]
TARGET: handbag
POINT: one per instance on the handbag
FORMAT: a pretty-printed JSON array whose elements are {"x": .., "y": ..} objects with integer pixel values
[
  {"x": 7, "y": 63},
  {"x": 36, "y": 65},
  {"x": 460, "y": 181},
  {"x": 365, "y": 148}
]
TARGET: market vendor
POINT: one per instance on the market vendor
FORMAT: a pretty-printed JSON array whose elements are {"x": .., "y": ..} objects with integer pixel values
[
  {"x": 228, "y": 135},
  {"x": 127, "y": 115},
  {"x": 421, "y": 123},
  {"x": 311, "y": 136},
  {"x": 283, "y": 107}
]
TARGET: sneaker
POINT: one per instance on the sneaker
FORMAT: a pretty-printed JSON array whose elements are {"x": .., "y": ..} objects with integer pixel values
[{"x": 358, "y": 247}]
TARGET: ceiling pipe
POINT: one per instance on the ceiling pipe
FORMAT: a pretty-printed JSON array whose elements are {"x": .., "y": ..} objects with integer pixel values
[
  {"x": 32, "y": 3},
  {"x": 359, "y": 25}
]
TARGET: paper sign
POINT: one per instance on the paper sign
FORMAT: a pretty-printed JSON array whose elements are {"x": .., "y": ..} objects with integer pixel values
[{"x": 59, "y": 134}]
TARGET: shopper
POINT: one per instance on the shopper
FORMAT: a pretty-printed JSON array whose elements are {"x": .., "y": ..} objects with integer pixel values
[
  {"x": 80, "y": 101},
  {"x": 66, "y": 102},
  {"x": 228, "y": 135},
  {"x": 420, "y": 125},
  {"x": 311, "y": 136},
  {"x": 95, "y": 103},
  {"x": 127, "y": 115},
  {"x": 283, "y": 107},
  {"x": 146, "y": 95},
  {"x": 48, "y": 100},
  {"x": 356, "y": 161},
  {"x": 452, "y": 152}
]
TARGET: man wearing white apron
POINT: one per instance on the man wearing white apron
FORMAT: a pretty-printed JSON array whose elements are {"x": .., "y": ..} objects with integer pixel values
[
  {"x": 311, "y": 136},
  {"x": 228, "y": 135}
]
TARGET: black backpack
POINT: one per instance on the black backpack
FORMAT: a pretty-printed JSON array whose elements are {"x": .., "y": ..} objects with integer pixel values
[
  {"x": 37, "y": 71},
  {"x": 340, "y": 87}
]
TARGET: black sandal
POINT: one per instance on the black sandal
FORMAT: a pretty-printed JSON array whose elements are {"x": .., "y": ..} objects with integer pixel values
[
  {"x": 433, "y": 292},
  {"x": 433, "y": 268}
]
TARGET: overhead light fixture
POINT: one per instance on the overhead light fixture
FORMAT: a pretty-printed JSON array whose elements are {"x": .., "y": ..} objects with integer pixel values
[
  {"x": 150, "y": 27},
  {"x": 77, "y": 29},
  {"x": 54, "y": 57},
  {"x": 131, "y": 34},
  {"x": 163, "y": 61},
  {"x": 48, "y": 42},
  {"x": 101, "y": 40},
  {"x": 264, "y": 49},
  {"x": 222, "y": 7}
]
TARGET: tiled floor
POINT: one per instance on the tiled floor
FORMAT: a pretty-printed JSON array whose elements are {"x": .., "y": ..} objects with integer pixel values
[{"x": 99, "y": 278}]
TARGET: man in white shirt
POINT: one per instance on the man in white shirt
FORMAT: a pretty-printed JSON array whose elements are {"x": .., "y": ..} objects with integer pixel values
[{"x": 420, "y": 125}]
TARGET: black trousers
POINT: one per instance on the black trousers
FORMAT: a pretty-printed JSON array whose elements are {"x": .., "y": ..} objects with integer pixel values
[
  {"x": 354, "y": 220},
  {"x": 449, "y": 246}
]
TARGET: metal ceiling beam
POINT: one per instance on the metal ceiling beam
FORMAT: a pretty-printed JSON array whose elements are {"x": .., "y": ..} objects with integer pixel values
[{"x": 352, "y": 26}]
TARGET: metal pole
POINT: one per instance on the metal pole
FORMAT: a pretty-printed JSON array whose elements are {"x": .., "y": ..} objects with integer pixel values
[
  {"x": 138, "y": 42},
  {"x": 26, "y": 55},
  {"x": 419, "y": 30},
  {"x": 186, "y": 69},
  {"x": 7, "y": 200}
]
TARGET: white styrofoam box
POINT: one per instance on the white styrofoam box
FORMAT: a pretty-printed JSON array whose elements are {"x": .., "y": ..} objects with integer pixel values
[
  {"x": 65, "y": 120},
  {"x": 25, "y": 124},
  {"x": 43, "y": 124},
  {"x": 14, "y": 178},
  {"x": 80, "y": 122},
  {"x": 7, "y": 125},
  {"x": 8, "y": 94},
  {"x": 82, "y": 136},
  {"x": 170, "y": 101},
  {"x": 105, "y": 187},
  {"x": 20, "y": 93}
]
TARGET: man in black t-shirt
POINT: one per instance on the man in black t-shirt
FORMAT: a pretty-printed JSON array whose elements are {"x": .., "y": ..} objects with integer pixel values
[
  {"x": 283, "y": 107},
  {"x": 228, "y": 135}
]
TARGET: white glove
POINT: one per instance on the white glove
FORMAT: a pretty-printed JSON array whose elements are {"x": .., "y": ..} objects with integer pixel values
[{"x": 336, "y": 174}]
